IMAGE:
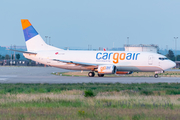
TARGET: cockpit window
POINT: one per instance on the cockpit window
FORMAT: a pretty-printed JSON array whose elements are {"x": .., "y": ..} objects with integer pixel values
[{"x": 163, "y": 58}]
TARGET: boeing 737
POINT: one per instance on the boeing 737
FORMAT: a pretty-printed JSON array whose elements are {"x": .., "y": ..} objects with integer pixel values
[{"x": 102, "y": 62}]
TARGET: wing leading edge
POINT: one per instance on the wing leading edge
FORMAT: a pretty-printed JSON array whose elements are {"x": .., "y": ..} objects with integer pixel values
[{"x": 77, "y": 63}]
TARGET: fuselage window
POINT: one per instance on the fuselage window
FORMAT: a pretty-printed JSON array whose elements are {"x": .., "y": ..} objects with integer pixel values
[{"x": 163, "y": 58}]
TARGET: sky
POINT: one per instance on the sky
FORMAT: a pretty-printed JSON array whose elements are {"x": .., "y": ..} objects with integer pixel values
[{"x": 99, "y": 23}]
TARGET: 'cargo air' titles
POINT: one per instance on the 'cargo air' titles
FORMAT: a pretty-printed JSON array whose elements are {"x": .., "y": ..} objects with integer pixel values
[{"x": 116, "y": 56}]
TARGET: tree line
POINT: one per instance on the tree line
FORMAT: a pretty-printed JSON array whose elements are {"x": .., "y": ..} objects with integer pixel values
[
  {"x": 8, "y": 57},
  {"x": 172, "y": 57}
]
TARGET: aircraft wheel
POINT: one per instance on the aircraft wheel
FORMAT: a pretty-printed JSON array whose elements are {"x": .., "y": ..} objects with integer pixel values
[
  {"x": 156, "y": 75},
  {"x": 100, "y": 75},
  {"x": 91, "y": 74}
]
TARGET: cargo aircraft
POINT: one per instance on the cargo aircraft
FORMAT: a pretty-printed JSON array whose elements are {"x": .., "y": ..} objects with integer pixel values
[{"x": 102, "y": 62}]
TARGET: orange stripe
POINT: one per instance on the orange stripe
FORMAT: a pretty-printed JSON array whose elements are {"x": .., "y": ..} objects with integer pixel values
[
  {"x": 25, "y": 23},
  {"x": 121, "y": 72}
]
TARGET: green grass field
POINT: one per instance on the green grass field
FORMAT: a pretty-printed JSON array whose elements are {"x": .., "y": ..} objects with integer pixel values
[{"x": 156, "y": 101}]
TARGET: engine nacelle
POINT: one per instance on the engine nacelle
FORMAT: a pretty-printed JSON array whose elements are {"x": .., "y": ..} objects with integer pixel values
[
  {"x": 106, "y": 69},
  {"x": 124, "y": 72}
]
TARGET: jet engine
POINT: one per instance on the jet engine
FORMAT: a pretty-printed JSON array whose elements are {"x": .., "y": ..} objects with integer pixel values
[{"x": 106, "y": 69}]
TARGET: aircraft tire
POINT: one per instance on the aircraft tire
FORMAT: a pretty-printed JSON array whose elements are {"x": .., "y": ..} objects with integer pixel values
[
  {"x": 91, "y": 74},
  {"x": 100, "y": 75},
  {"x": 156, "y": 75}
]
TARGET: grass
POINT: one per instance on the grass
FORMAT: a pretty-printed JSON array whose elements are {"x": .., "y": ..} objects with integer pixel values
[
  {"x": 134, "y": 88},
  {"x": 156, "y": 101},
  {"x": 88, "y": 113},
  {"x": 111, "y": 106},
  {"x": 88, "y": 93}
]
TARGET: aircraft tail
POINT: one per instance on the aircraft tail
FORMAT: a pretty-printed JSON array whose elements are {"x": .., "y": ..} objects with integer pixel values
[{"x": 34, "y": 42}]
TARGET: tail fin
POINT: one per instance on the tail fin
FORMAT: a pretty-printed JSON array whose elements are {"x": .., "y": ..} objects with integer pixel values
[{"x": 34, "y": 42}]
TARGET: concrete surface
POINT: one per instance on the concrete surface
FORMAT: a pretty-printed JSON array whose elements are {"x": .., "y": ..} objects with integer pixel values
[{"x": 43, "y": 75}]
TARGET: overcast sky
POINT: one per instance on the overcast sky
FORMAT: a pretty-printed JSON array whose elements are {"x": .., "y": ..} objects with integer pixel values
[{"x": 79, "y": 23}]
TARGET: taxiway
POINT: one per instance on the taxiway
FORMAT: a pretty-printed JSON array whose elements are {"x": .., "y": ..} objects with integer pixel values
[{"x": 43, "y": 75}]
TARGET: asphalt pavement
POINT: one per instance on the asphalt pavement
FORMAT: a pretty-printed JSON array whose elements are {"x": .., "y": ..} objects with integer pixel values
[{"x": 43, "y": 75}]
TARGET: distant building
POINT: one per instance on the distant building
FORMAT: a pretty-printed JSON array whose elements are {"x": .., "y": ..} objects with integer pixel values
[
  {"x": 142, "y": 48},
  {"x": 117, "y": 49}
]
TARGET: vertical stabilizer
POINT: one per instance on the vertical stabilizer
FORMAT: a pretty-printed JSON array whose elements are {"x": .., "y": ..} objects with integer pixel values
[{"x": 34, "y": 42}]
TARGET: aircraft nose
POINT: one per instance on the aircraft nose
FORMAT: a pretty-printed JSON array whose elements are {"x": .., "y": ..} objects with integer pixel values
[{"x": 172, "y": 64}]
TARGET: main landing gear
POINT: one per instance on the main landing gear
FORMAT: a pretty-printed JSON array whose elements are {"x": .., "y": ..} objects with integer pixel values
[
  {"x": 100, "y": 75},
  {"x": 156, "y": 76},
  {"x": 92, "y": 74}
]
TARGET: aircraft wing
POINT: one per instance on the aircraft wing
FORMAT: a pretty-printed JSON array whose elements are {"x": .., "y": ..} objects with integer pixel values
[
  {"x": 76, "y": 63},
  {"x": 23, "y": 51}
]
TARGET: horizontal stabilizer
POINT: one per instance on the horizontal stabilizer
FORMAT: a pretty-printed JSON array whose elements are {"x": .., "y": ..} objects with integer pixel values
[{"x": 23, "y": 51}]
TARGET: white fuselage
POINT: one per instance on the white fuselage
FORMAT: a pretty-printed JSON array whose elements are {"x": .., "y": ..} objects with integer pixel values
[
  {"x": 123, "y": 60},
  {"x": 100, "y": 61}
]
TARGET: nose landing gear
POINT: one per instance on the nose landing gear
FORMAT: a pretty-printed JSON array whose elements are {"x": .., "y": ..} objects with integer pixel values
[
  {"x": 156, "y": 73},
  {"x": 156, "y": 76}
]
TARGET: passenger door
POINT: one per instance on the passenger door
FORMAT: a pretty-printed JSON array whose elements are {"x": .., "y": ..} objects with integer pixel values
[{"x": 150, "y": 60}]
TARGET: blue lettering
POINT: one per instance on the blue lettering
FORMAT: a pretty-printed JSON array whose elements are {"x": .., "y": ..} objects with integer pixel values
[
  {"x": 134, "y": 56},
  {"x": 129, "y": 55},
  {"x": 97, "y": 56},
  {"x": 108, "y": 67},
  {"x": 105, "y": 56},
  {"x": 137, "y": 55},
  {"x": 110, "y": 55}
]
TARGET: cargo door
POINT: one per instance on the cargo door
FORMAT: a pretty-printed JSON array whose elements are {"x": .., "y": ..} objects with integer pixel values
[{"x": 48, "y": 60}]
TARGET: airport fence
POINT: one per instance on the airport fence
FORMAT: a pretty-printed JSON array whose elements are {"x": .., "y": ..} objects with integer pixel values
[{"x": 19, "y": 63}]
